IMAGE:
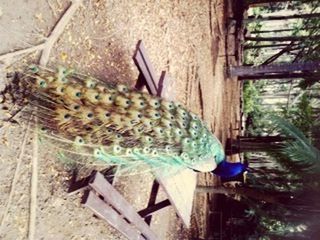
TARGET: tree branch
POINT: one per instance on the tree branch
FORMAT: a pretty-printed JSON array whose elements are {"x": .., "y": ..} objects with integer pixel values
[{"x": 58, "y": 30}]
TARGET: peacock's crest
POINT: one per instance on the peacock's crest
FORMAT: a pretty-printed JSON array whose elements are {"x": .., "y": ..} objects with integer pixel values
[{"x": 111, "y": 123}]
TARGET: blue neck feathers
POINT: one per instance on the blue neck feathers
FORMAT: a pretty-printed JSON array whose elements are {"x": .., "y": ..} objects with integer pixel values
[{"x": 227, "y": 169}]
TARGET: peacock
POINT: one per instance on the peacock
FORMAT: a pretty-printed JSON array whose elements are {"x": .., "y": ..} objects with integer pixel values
[{"x": 113, "y": 124}]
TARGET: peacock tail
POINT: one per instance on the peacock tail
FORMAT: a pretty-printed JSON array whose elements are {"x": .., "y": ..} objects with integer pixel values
[{"x": 110, "y": 123}]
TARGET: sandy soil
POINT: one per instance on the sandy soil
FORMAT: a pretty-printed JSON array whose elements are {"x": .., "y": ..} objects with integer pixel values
[{"x": 185, "y": 38}]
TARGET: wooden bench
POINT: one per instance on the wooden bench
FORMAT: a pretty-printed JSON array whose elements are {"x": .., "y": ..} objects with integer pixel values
[
  {"x": 179, "y": 187},
  {"x": 108, "y": 204}
]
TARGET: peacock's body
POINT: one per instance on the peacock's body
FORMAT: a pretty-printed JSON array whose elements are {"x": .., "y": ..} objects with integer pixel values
[{"x": 112, "y": 123}]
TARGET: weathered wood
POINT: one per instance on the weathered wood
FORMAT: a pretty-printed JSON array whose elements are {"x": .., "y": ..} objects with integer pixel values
[
  {"x": 79, "y": 185},
  {"x": 153, "y": 208},
  {"x": 179, "y": 194},
  {"x": 179, "y": 188},
  {"x": 115, "y": 199},
  {"x": 145, "y": 67},
  {"x": 83, "y": 183},
  {"x": 105, "y": 212},
  {"x": 152, "y": 200}
]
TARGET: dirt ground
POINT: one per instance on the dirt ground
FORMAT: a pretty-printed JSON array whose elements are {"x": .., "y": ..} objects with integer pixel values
[{"x": 187, "y": 39}]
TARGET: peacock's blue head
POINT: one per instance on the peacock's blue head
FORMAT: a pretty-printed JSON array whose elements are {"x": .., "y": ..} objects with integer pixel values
[{"x": 226, "y": 169}]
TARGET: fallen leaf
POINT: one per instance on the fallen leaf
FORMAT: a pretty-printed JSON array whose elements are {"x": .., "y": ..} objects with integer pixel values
[{"x": 64, "y": 56}]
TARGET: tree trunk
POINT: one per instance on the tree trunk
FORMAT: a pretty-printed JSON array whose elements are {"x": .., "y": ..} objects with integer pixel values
[
  {"x": 271, "y": 59},
  {"x": 274, "y": 197},
  {"x": 275, "y": 68},
  {"x": 267, "y": 46},
  {"x": 282, "y": 39},
  {"x": 272, "y": 18},
  {"x": 280, "y": 30},
  {"x": 264, "y": 139},
  {"x": 255, "y": 144},
  {"x": 257, "y": 2},
  {"x": 273, "y": 76},
  {"x": 257, "y": 147}
]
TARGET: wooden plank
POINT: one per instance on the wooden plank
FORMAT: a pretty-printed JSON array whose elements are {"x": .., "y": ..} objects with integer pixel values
[
  {"x": 153, "y": 208},
  {"x": 180, "y": 188},
  {"x": 166, "y": 88},
  {"x": 102, "y": 210},
  {"x": 180, "y": 196},
  {"x": 144, "y": 64},
  {"x": 79, "y": 185},
  {"x": 152, "y": 200},
  {"x": 115, "y": 199},
  {"x": 83, "y": 184}
]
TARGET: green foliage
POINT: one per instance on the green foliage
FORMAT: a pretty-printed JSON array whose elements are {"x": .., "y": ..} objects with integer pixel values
[
  {"x": 253, "y": 110},
  {"x": 294, "y": 174},
  {"x": 250, "y": 97},
  {"x": 299, "y": 150},
  {"x": 301, "y": 114},
  {"x": 303, "y": 50}
]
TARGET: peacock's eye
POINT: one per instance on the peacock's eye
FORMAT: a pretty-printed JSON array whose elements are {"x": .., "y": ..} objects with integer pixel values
[
  {"x": 34, "y": 69},
  {"x": 110, "y": 98},
  {"x": 127, "y": 102},
  {"x": 170, "y": 125},
  {"x": 43, "y": 83},
  {"x": 90, "y": 115},
  {"x": 96, "y": 97},
  {"x": 139, "y": 116},
  {"x": 67, "y": 116},
  {"x": 78, "y": 94},
  {"x": 107, "y": 114},
  {"x": 157, "y": 114}
]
